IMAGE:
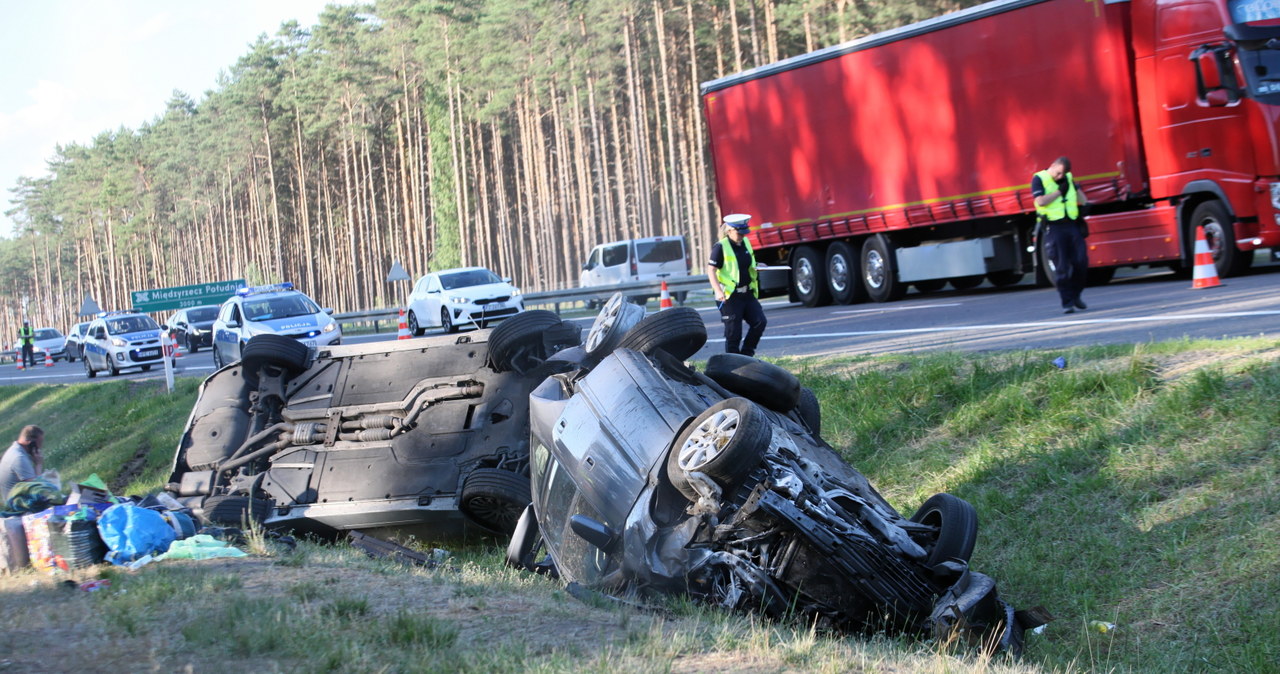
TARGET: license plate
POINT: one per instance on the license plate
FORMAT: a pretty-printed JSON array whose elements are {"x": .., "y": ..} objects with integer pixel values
[
  {"x": 492, "y": 306},
  {"x": 310, "y": 344},
  {"x": 148, "y": 353}
]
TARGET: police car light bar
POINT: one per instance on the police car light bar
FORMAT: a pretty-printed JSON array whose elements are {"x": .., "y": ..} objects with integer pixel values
[{"x": 258, "y": 290}]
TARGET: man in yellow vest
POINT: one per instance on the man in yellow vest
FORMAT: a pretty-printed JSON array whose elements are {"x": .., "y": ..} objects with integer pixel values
[
  {"x": 27, "y": 340},
  {"x": 736, "y": 284},
  {"x": 1058, "y": 201}
]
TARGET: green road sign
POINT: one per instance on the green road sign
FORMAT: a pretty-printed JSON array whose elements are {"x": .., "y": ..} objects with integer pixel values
[{"x": 181, "y": 297}]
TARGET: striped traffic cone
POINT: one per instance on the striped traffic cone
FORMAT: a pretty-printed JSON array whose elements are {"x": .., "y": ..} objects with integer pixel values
[
  {"x": 664, "y": 300},
  {"x": 1206, "y": 272},
  {"x": 48, "y": 360},
  {"x": 20, "y": 359},
  {"x": 404, "y": 328}
]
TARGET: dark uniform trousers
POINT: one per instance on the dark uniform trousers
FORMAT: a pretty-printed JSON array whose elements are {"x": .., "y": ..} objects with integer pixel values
[
  {"x": 1070, "y": 258},
  {"x": 739, "y": 307}
]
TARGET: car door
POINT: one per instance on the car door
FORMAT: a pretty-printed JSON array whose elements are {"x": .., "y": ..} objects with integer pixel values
[
  {"x": 226, "y": 337},
  {"x": 95, "y": 351},
  {"x": 433, "y": 300}
]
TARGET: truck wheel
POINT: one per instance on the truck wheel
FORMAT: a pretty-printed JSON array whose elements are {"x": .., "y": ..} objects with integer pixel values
[
  {"x": 809, "y": 278},
  {"x": 1001, "y": 279},
  {"x": 679, "y": 331},
  {"x": 1219, "y": 233},
  {"x": 966, "y": 282},
  {"x": 725, "y": 442},
  {"x": 879, "y": 270},
  {"x": 844, "y": 278}
]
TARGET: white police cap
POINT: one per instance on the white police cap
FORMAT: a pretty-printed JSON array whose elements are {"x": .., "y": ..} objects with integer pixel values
[{"x": 738, "y": 221}]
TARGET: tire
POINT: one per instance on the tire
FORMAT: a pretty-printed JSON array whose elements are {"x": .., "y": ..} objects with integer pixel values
[
  {"x": 724, "y": 442},
  {"x": 967, "y": 282},
  {"x": 1005, "y": 278},
  {"x": 932, "y": 285},
  {"x": 276, "y": 351},
  {"x": 1100, "y": 276},
  {"x": 809, "y": 277},
  {"x": 678, "y": 331},
  {"x": 232, "y": 510},
  {"x": 192, "y": 347},
  {"x": 957, "y": 524},
  {"x": 414, "y": 328},
  {"x": 1046, "y": 266},
  {"x": 494, "y": 498},
  {"x": 88, "y": 369},
  {"x": 756, "y": 380},
  {"x": 518, "y": 334},
  {"x": 217, "y": 357},
  {"x": 809, "y": 410},
  {"x": 879, "y": 270},
  {"x": 71, "y": 356},
  {"x": 612, "y": 323},
  {"x": 1219, "y": 233},
  {"x": 112, "y": 370},
  {"x": 844, "y": 276},
  {"x": 446, "y": 321}
]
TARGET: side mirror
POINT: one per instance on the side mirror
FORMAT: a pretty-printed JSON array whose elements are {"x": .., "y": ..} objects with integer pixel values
[
  {"x": 506, "y": 279},
  {"x": 328, "y": 310},
  {"x": 594, "y": 532},
  {"x": 1217, "y": 84},
  {"x": 1217, "y": 98},
  {"x": 233, "y": 323},
  {"x": 164, "y": 328}
]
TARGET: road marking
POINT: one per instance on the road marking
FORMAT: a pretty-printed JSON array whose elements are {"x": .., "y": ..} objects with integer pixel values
[
  {"x": 917, "y": 306},
  {"x": 1161, "y": 318}
]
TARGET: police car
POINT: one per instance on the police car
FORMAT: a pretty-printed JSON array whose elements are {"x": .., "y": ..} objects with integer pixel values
[
  {"x": 273, "y": 309},
  {"x": 118, "y": 340}
]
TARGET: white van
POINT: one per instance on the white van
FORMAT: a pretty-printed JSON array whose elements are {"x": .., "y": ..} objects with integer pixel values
[{"x": 647, "y": 259}]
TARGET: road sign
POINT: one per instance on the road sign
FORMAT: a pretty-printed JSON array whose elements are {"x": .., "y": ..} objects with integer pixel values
[
  {"x": 181, "y": 297},
  {"x": 89, "y": 307},
  {"x": 398, "y": 273}
]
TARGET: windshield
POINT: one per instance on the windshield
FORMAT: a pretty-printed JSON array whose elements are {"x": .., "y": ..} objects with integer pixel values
[
  {"x": 202, "y": 314},
  {"x": 1261, "y": 68},
  {"x": 575, "y": 558},
  {"x": 282, "y": 306},
  {"x": 48, "y": 333},
  {"x": 127, "y": 324},
  {"x": 466, "y": 279},
  {"x": 667, "y": 250},
  {"x": 1248, "y": 11}
]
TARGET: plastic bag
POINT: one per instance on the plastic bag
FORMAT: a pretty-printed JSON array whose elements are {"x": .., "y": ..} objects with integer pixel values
[{"x": 132, "y": 532}]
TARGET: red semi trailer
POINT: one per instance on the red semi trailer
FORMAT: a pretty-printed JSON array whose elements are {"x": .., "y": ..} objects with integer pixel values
[{"x": 906, "y": 157}]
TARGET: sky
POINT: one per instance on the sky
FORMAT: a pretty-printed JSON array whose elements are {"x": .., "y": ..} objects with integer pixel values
[{"x": 71, "y": 69}]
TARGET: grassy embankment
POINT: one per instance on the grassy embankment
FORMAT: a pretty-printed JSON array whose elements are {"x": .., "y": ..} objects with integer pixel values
[{"x": 1138, "y": 486}]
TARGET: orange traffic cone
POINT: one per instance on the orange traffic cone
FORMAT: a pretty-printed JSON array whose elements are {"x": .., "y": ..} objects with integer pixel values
[
  {"x": 20, "y": 359},
  {"x": 175, "y": 345},
  {"x": 404, "y": 328},
  {"x": 1206, "y": 272},
  {"x": 664, "y": 300},
  {"x": 48, "y": 360}
]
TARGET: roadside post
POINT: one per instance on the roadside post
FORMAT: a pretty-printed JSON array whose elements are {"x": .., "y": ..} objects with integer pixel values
[
  {"x": 166, "y": 348},
  {"x": 397, "y": 273}
]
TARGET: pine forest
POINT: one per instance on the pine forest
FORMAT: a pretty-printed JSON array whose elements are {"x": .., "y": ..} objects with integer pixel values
[{"x": 511, "y": 134}]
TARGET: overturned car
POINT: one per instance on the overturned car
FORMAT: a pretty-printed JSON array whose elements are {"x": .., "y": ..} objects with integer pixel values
[
  {"x": 649, "y": 476},
  {"x": 425, "y": 435}
]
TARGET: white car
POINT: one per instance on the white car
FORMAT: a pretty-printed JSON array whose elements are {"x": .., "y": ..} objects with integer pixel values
[
  {"x": 450, "y": 298},
  {"x": 50, "y": 341},
  {"x": 275, "y": 309},
  {"x": 118, "y": 340}
]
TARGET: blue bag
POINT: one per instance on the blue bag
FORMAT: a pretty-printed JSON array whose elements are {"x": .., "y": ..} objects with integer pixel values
[{"x": 132, "y": 532}]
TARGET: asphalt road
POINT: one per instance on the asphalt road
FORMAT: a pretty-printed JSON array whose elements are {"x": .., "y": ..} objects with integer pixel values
[{"x": 1138, "y": 306}]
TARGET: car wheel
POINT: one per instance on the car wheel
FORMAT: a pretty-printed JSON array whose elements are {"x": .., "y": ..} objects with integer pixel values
[
  {"x": 613, "y": 322},
  {"x": 88, "y": 369},
  {"x": 277, "y": 351},
  {"x": 446, "y": 321},
  {"x": 1220, "y": 236},
  {"x": 71, "y": 357},
  {"x": 844, "y": 278},
  {"x": 217, "y": 357},
  {"x": 414, "y": 328},
  {"x": 525, "y": 541},
  {"x": 809, "y": 410},
  {"x": 724, "y": 442},
  {"x": 112, "y": 370},
  {"x": 1005, "y": 278},
  {"x": 809, "y": 278},
  {"x": 967, "y": 282},
  {"x": 678, "y": 331},
  {"x": 879, "y": 269},
  {"x": 956, "y": 522},
  {"x": 762, "y": 382},
  {"x": 494, "y": 498},
  {"x": 233, "y": 510},
  {"x": 192, "y": 347},
  {"x": 516, "y": 337}
]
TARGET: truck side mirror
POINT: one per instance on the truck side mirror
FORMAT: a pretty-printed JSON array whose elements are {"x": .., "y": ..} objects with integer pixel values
[{"x": 1216, "y": 82}]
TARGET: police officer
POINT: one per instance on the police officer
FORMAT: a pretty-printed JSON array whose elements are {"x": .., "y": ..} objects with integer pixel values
[
  {"x": 734, "y": 280},
  {"x": 27, "y": 336},
  {"x": 1058, "y": 201}
]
